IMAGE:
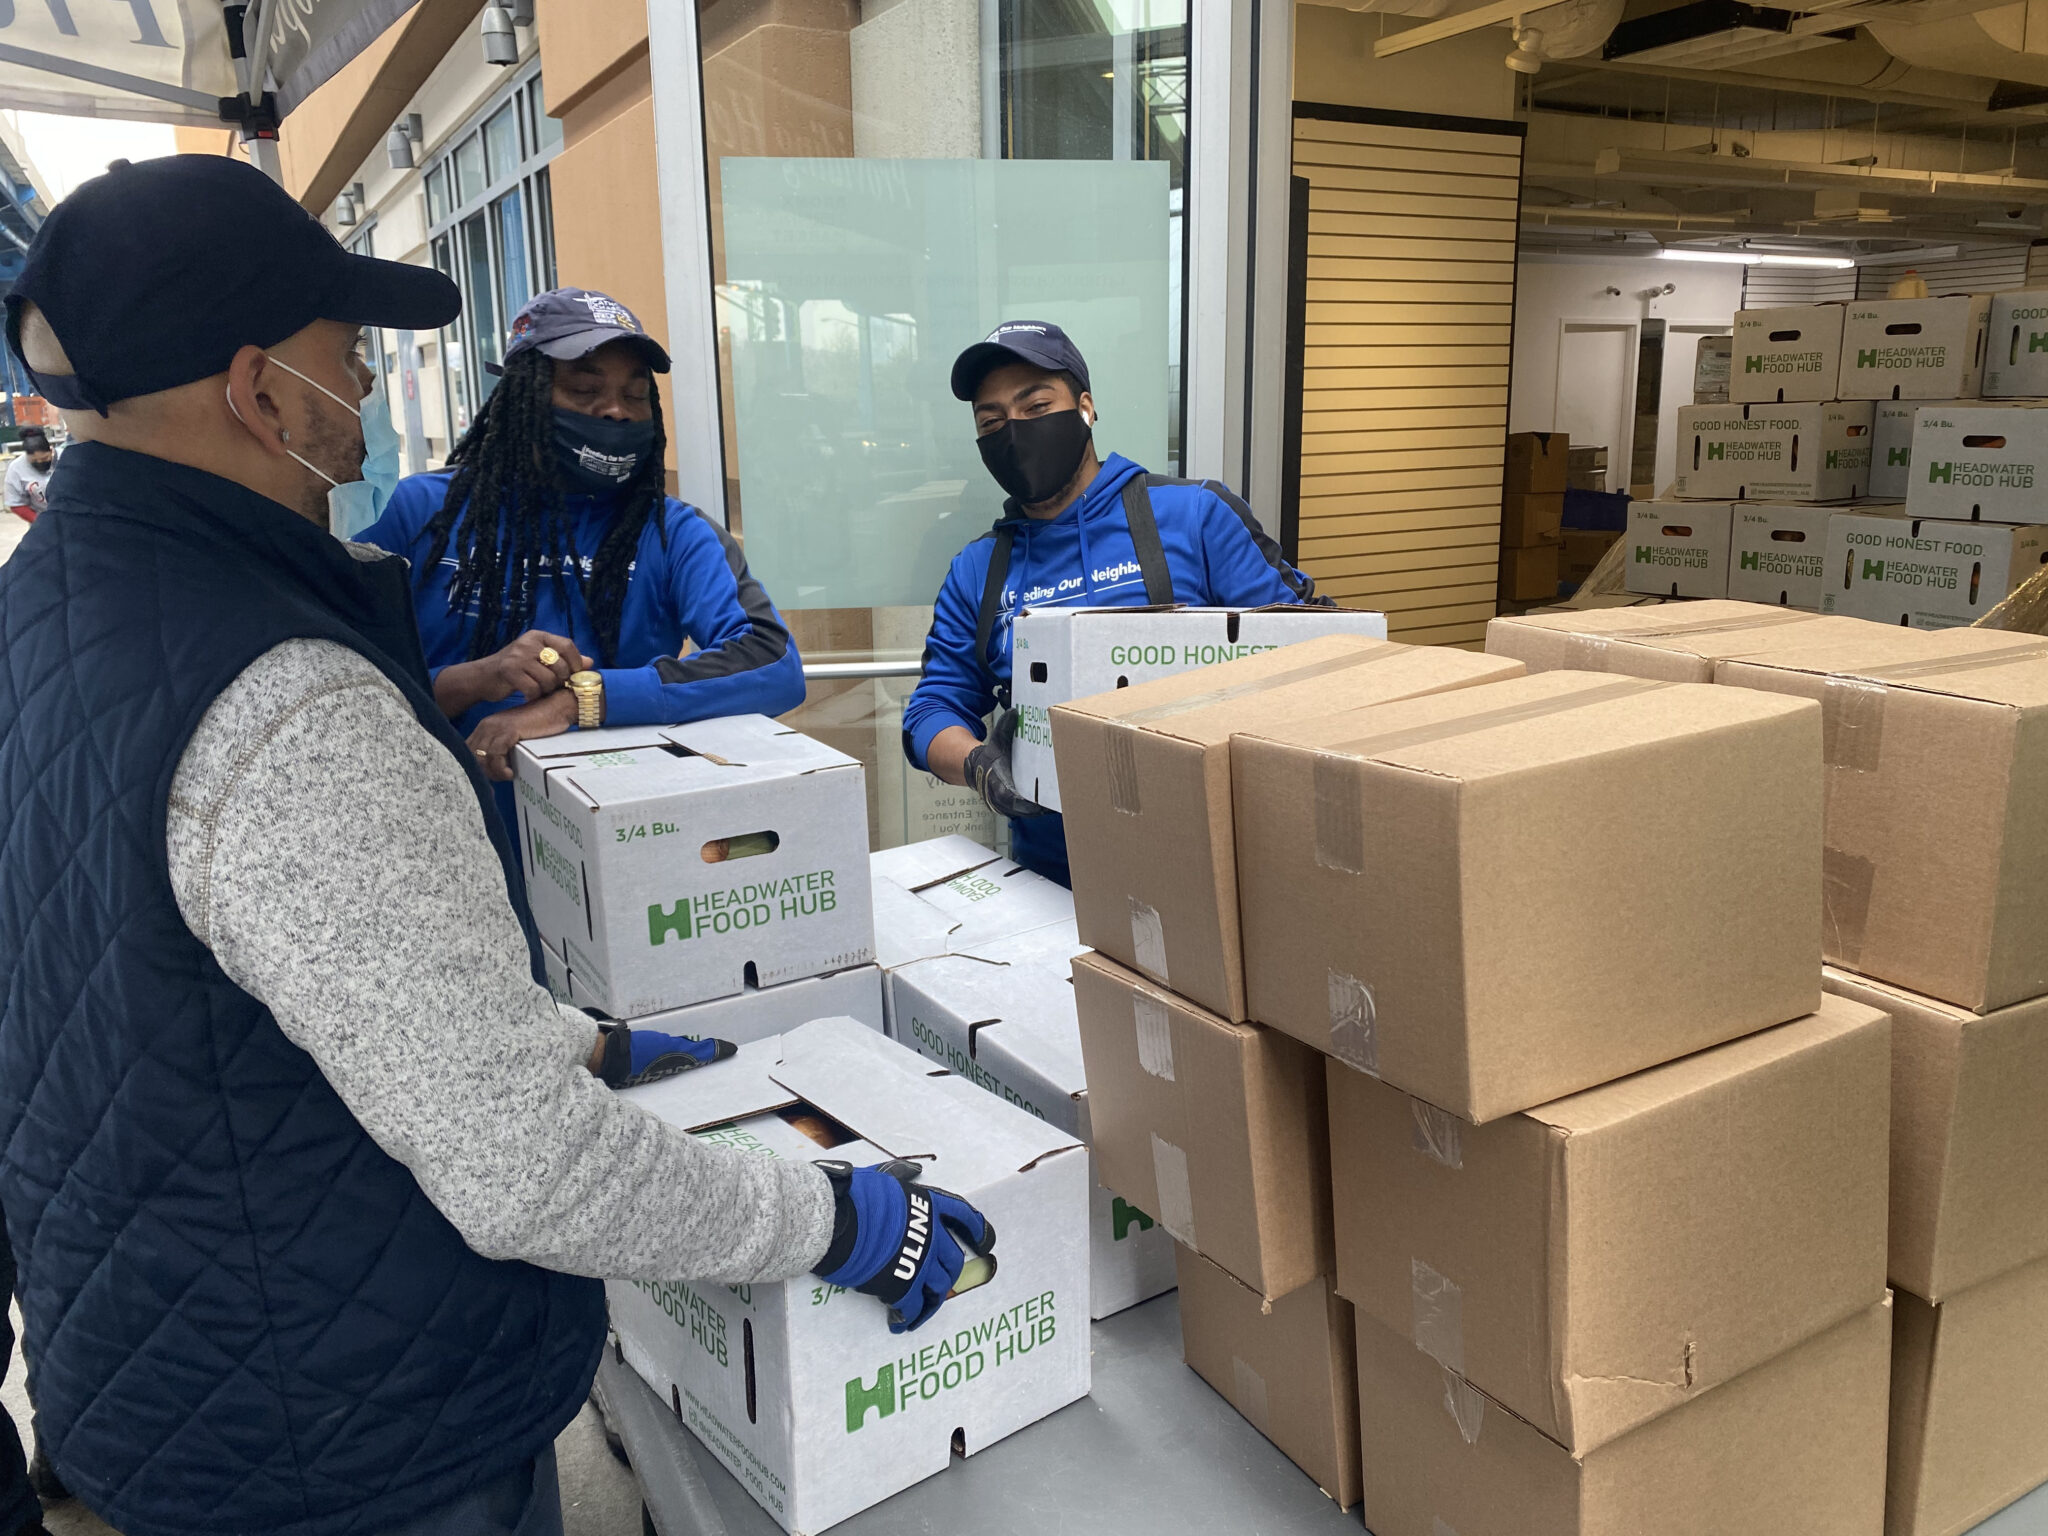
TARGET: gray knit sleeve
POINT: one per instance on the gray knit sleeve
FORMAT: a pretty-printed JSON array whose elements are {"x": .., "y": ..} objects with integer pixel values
[{"x": 333, "y": 858}]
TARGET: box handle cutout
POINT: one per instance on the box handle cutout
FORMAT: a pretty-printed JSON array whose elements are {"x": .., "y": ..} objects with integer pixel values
[
  {"x": 1123, "y": 682},
  {"x": 1676, "y": 530},
  {"x": 1696, "y": 454},
  {"x": 1795, "y": 453},
  {"x": 748, "y": 845},
  {"x": 1848, "y": 568},
  {"x": 1858, "y": 431},
  {"x": 2012, "y": 354},
  {"x": 1038, "y": 672},
  {"x": 747, "y": 1348},
  {"x": 1976, "y": 576},
  {"x": 1785, "y": 335},
  {"x": 1984, "y": 440},
  {"x": 1903, "y": 328},
  {"x": 1230, "y": 627},
  {"x": 1788, "y": 536},
  {"x": 750, "y": 977}
]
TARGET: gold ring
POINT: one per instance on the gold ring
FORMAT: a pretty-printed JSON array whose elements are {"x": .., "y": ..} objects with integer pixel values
[
  {"x": 480, "y": 752},
  {"x": 549, "y": 655}
]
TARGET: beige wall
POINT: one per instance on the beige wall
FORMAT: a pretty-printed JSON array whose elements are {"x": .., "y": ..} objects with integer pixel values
[{"x": 1462, "y": 76}]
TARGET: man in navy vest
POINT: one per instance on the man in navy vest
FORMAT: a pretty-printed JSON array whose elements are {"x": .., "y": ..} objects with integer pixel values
[
  {"x": 1075, "y": 531},
  {"x": 306, "y": 1178}
]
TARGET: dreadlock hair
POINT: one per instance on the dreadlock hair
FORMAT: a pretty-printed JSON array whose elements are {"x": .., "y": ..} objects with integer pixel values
[{"x": 505, "y": 516}]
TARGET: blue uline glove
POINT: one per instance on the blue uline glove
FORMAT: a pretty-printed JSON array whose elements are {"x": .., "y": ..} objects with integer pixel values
[
  {"x": 636, "y": 1056},
  {"x": 899, "y": 1241}
]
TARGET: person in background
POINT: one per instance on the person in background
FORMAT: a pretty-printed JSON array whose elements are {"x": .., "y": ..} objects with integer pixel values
[
  {"x": 308, "y": 1181},
  {"x": 1075, "y": 531},
  {"x": 28, "y": 475},
  {"x": 550, "y": 551}
]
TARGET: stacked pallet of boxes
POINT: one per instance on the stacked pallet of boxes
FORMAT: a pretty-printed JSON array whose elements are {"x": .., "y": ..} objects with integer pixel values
[
  {"x": 1935, "y": 878},
  {"x": 1215, "y": 1124},
  {"x": 1533, "y": 482},
  {"x": 1608, "y": 1172},
  {"x": 713, "y": 879},
  {"x": 976, "y": 952}
]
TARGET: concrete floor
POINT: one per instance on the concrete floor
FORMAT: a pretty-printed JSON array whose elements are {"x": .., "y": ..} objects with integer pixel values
[{"x": 599, "y": 1497}]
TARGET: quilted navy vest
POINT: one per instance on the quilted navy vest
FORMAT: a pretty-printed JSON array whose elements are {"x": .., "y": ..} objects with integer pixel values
[{"x": 241, "y": 1315}]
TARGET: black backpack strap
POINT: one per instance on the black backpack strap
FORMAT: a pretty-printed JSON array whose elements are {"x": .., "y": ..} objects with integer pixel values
[
  {"x": 992, "y": 597},
  {"x": 1145, "y": 539}
]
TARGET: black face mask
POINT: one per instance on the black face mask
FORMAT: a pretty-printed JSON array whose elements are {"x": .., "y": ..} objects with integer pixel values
[
  {"x": 1034, "y": 458},
  {"x": 596, "y": 454}
]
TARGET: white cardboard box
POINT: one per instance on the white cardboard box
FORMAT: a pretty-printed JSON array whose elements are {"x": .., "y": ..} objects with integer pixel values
[
  {"x": 616, "y": 827},
  {"x": 800, "y": 1389},
  {"x": 2016, "y": 346},
  {"x": 1777, "y": 553},
  {"x": 1678, "y": 548},
  {"x": 1801, "y": 452},
  {"x": 1913, "y": 349},
  {"x": 1786, "y": 354},
  {"x": 1060, "y": 654},
  {"x": 1004, "y": 1017},
  {"x": 1891, "y": 443},
  {"x": 1923, "y": 572},
  {"x": 1980, "y": 463},
  {"x": 756, "y": 1013}
]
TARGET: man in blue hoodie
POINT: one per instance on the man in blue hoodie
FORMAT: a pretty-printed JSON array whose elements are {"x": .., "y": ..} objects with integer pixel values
[{"x": 1075, "y": 532}]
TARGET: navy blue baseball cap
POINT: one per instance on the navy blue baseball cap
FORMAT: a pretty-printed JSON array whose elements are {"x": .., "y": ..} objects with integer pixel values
[
  {"x": 574, "y": 322},
  {"x": 156, "y": 273},
  {"x": 1038, "y": 342}
]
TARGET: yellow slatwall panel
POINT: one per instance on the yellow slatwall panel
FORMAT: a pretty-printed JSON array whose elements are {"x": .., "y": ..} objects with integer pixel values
[{"x": 1410, "y": 320}]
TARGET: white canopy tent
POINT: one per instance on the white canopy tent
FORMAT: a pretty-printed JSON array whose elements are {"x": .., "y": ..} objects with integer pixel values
[{"x": 195, "y": 62}]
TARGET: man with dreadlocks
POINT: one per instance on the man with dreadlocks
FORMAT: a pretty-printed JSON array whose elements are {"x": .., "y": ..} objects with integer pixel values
[{"x": 550, "y": 548}]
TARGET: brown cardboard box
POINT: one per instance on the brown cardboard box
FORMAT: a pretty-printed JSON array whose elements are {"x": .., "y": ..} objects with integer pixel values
[
  {"x": 1145, "y": 779},
  {"x": 1581, "y": 551},
  {"x": 1290, "y": 1370},
  {"x": 1531, "y": 518},
  {"x": 1795, "y": 1447},
  {"x": 1424, "y": 898},
  {"x": 1969, "y": 1404},
  {"x": 1936, "y": 871},
  {"x": 1537, "y": 462},
  {"x": 1218, "y": 1129},
  {"x": 1677, "y": 643},
  {"x": 1529, "y": 575},
  {"x": 1603, "y": 1259},
  {"x": 1969, "y": 1136}
]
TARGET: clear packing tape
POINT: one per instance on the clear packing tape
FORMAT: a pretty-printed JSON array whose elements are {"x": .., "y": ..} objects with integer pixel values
[
  {"x": 2024, "y": 611},
  {"x": 1610, "y": 577},
  {"x": 1589, "y": 653}
]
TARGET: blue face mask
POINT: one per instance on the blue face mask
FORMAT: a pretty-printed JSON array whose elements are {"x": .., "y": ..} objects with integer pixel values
[
  {"x": 595, "y": 454},
  {"x": 353, "y": 505}
]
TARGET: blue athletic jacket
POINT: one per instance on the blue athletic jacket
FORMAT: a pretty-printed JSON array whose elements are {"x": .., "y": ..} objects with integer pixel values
[
  {"x": 1217, "y": 552},
  {"x": 697, "y": 589}
]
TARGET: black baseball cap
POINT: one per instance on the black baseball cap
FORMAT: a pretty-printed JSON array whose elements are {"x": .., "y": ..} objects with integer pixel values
[
  {"x": 1038, "y": 342},
  {"x": 567, "y": 323},
  {"x": 156, "y": 273}
]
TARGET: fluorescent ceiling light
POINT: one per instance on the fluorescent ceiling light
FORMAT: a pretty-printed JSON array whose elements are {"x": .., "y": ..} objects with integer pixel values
[{"x": 1756, "y": 258}]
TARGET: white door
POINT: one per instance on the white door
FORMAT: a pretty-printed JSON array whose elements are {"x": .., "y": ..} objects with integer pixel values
[
  {"x": 1681, "y": 353},
  {"x": 1596, "y": 390}
]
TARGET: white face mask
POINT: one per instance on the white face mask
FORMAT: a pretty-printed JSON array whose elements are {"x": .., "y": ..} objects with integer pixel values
[{"x": 353, "y": 505}]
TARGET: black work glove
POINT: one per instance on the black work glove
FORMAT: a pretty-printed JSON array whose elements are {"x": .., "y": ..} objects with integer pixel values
[
  {"x": 633, "y": 1057},
  {"x": 988, "y": 770}
]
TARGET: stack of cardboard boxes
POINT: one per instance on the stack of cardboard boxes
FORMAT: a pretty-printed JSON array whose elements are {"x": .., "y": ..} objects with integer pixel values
[
  {"x": 1551, "y": 944},
  {"x": 1934, "y": 879},
  {"x": 1538, "y": 469}
]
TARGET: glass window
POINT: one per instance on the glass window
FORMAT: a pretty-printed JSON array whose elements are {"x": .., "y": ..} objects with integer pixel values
[
  {"x": 469, "y": 170},
  {"x": 550, "y": 127},
  {"x": 511, "y": 232},
  {"x": 544, "y": 226},
  {"x": 961, "y": 162},
  {"x": 501, "y": 142},
  {"x": 437, "y": 193}
]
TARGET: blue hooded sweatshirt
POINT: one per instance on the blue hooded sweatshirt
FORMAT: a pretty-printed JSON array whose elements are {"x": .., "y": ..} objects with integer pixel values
[
  {"x": 1215, "y": 549},
  {"x": 695, "y": 588}
]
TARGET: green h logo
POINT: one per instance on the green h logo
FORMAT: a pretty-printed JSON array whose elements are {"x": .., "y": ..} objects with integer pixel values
[
  {"x": 859, "y": 1399},
  {"x": 1895, "y": 458},
  {"x": 1873, "y": 570},
  {"x": 1752, "y": 365},
  {"x": 1749, "y": 560},
  {"x": 1866, "y": 359},
  {"x": 1941, "y": 474},
  {"x": 1123, "y": 1217},
  {"x": 675, "y": 921},
  {"x": 1645, "y": 553},
  {"x": 1717, "y": 450},
  {"x": 1834, "y": 458},
  {"x": 2037, "y": 341}
]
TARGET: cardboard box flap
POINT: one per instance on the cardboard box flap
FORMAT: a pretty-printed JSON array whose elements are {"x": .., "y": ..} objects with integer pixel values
[
  {"x": 907, "y": 927},
  {"x": 1165, "y": 698},
  {"x": 1708, "y": 616},
  {"x": 1528, "y": 722},
  {"x": 872, "y": 1087},
  {"x": 1707, "y": 1072},
  {"x": 1991, "y": 666},
  {"x": 757, "y": 741},
  {"x": 918, "y": 866},
  {"x": 733, "y": 1089}
]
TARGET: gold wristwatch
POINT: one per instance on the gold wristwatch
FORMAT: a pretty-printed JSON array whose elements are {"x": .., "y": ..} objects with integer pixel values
[{"x": 588, "y": 687}]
